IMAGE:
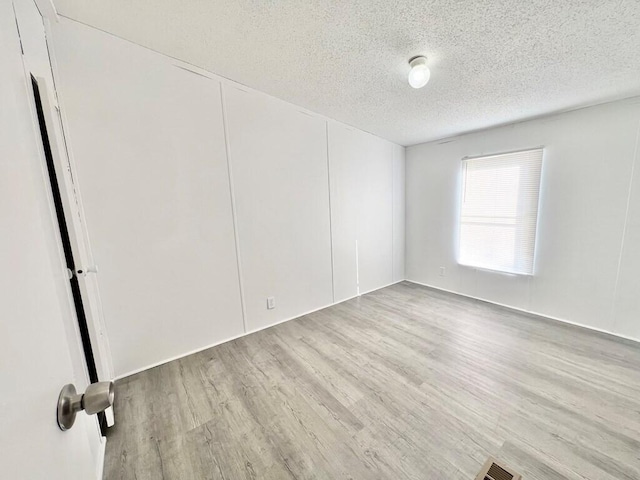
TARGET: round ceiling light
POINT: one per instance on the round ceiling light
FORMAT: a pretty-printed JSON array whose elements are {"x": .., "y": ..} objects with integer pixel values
[{"x": 419, "y": 74}]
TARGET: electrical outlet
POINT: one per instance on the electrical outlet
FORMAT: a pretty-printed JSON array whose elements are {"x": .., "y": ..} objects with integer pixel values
[
  {"x": 271, "y": 303},
  {"x": 443, "y": 271}
]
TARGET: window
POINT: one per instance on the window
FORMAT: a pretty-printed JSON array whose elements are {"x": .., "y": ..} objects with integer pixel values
[{"x": 500, "y": 211}]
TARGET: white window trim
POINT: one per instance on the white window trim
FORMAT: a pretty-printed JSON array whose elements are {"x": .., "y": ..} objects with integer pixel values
[{"x": 537, "y": 223}]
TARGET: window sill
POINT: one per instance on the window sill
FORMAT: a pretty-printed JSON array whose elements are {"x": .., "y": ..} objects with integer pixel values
[{"x": 492, "y": 270}]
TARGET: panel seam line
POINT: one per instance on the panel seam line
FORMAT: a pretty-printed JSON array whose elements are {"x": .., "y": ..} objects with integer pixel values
[
  {"x": 333, "y": 268},
  {"x": 232, "y": 196},
  {"x": 624, "y": 230}
]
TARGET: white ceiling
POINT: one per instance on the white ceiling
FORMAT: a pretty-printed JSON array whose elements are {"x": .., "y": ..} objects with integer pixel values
[{"x": 492, "y": 61}]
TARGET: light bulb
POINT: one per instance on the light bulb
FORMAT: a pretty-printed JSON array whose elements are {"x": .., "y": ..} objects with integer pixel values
[{"x": 419, "y": 74}]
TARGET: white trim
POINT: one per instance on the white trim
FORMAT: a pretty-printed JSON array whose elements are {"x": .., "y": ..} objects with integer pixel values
[
  {"x": 197, "y": 350},
  {"x": 75, "y": 228},
  {"x": 47, "y": 9},
  {"x": 358, "y": 270},
  {"x": 510, "y": 152},
  {"x": 101, "y": 458},
  {"x": 532, "y": 312},
  {"x": 367, "y": 292},
  {"x": 82, "y": 239},
  {"x": 494, "y": 270},
  {"x": 374, "y": 289}
]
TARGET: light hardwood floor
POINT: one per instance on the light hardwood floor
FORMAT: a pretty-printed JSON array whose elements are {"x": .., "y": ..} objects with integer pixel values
[{"x": 405, "y": 382}]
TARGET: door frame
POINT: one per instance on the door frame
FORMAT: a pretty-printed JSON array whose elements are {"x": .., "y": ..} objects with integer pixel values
[
  {"x": 38, "y": 62},
  {"x": 78, "y": 236},
  {"x": 72, "y": 203}
]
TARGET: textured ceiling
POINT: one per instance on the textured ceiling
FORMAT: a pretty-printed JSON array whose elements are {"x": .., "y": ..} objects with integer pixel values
[{"x": 492, "y": 61}]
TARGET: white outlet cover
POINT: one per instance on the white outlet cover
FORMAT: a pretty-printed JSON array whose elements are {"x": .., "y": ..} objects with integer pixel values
[{"x": 271, "y": 303}]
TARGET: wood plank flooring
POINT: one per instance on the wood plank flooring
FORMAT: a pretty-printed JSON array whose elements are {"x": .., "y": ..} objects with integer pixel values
[{"x": 403, "y": 383}]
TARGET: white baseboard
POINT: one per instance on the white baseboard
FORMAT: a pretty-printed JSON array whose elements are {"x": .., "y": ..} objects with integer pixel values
[
  {"x": 197, "y": 350},
  {"x": 380, "y": 288},
  {"x": 532, "y": 312},
  {"x": 365, "y": 293}
]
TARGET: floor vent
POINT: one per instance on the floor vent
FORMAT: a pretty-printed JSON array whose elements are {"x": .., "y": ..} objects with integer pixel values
[{"x": 493, "y": 470}]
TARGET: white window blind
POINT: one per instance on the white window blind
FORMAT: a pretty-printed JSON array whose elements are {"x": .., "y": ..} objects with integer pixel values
[{"x": 500, "y": 211}]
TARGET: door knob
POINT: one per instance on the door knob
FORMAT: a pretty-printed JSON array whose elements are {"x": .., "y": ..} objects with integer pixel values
[{"x": 98, "y": 397}]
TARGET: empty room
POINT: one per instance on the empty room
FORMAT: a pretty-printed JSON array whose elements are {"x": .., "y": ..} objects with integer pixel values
[{"x": 320, "y": 240}]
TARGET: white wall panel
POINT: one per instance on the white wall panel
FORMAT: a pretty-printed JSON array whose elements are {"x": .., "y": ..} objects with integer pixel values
[
  {"x": 344, "y": 166},
  {"x": 432, "y": 192},
  {"x": 627, "y": 302},
  {"x": 398, "y": 212},
  {"x": 375, "y": 225},
  {"x": 362, "y": 179},
  {"x": 585, "y": 187},
  {"x": 584, "y": 191},
  {"x": 281, "y": 186},
  {"x": 147, "y": 139}
]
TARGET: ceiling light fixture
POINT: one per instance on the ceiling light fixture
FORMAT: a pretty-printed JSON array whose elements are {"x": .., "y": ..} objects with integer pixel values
[{"x": 419, "y": 74}]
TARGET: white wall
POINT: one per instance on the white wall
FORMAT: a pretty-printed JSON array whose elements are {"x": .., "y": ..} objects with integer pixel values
[
  {"x": 375, "y": 222},
  {"x": 280, "y": 183},
  {"x": 147, "y": 139},
  {"x": 586, "y": 181},
  {"x": 362, "y": 209},
  {"x": 202, "y": 198}
]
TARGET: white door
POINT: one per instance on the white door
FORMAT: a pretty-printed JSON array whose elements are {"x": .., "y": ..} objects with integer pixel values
[{"x": 40, "y": 350}]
